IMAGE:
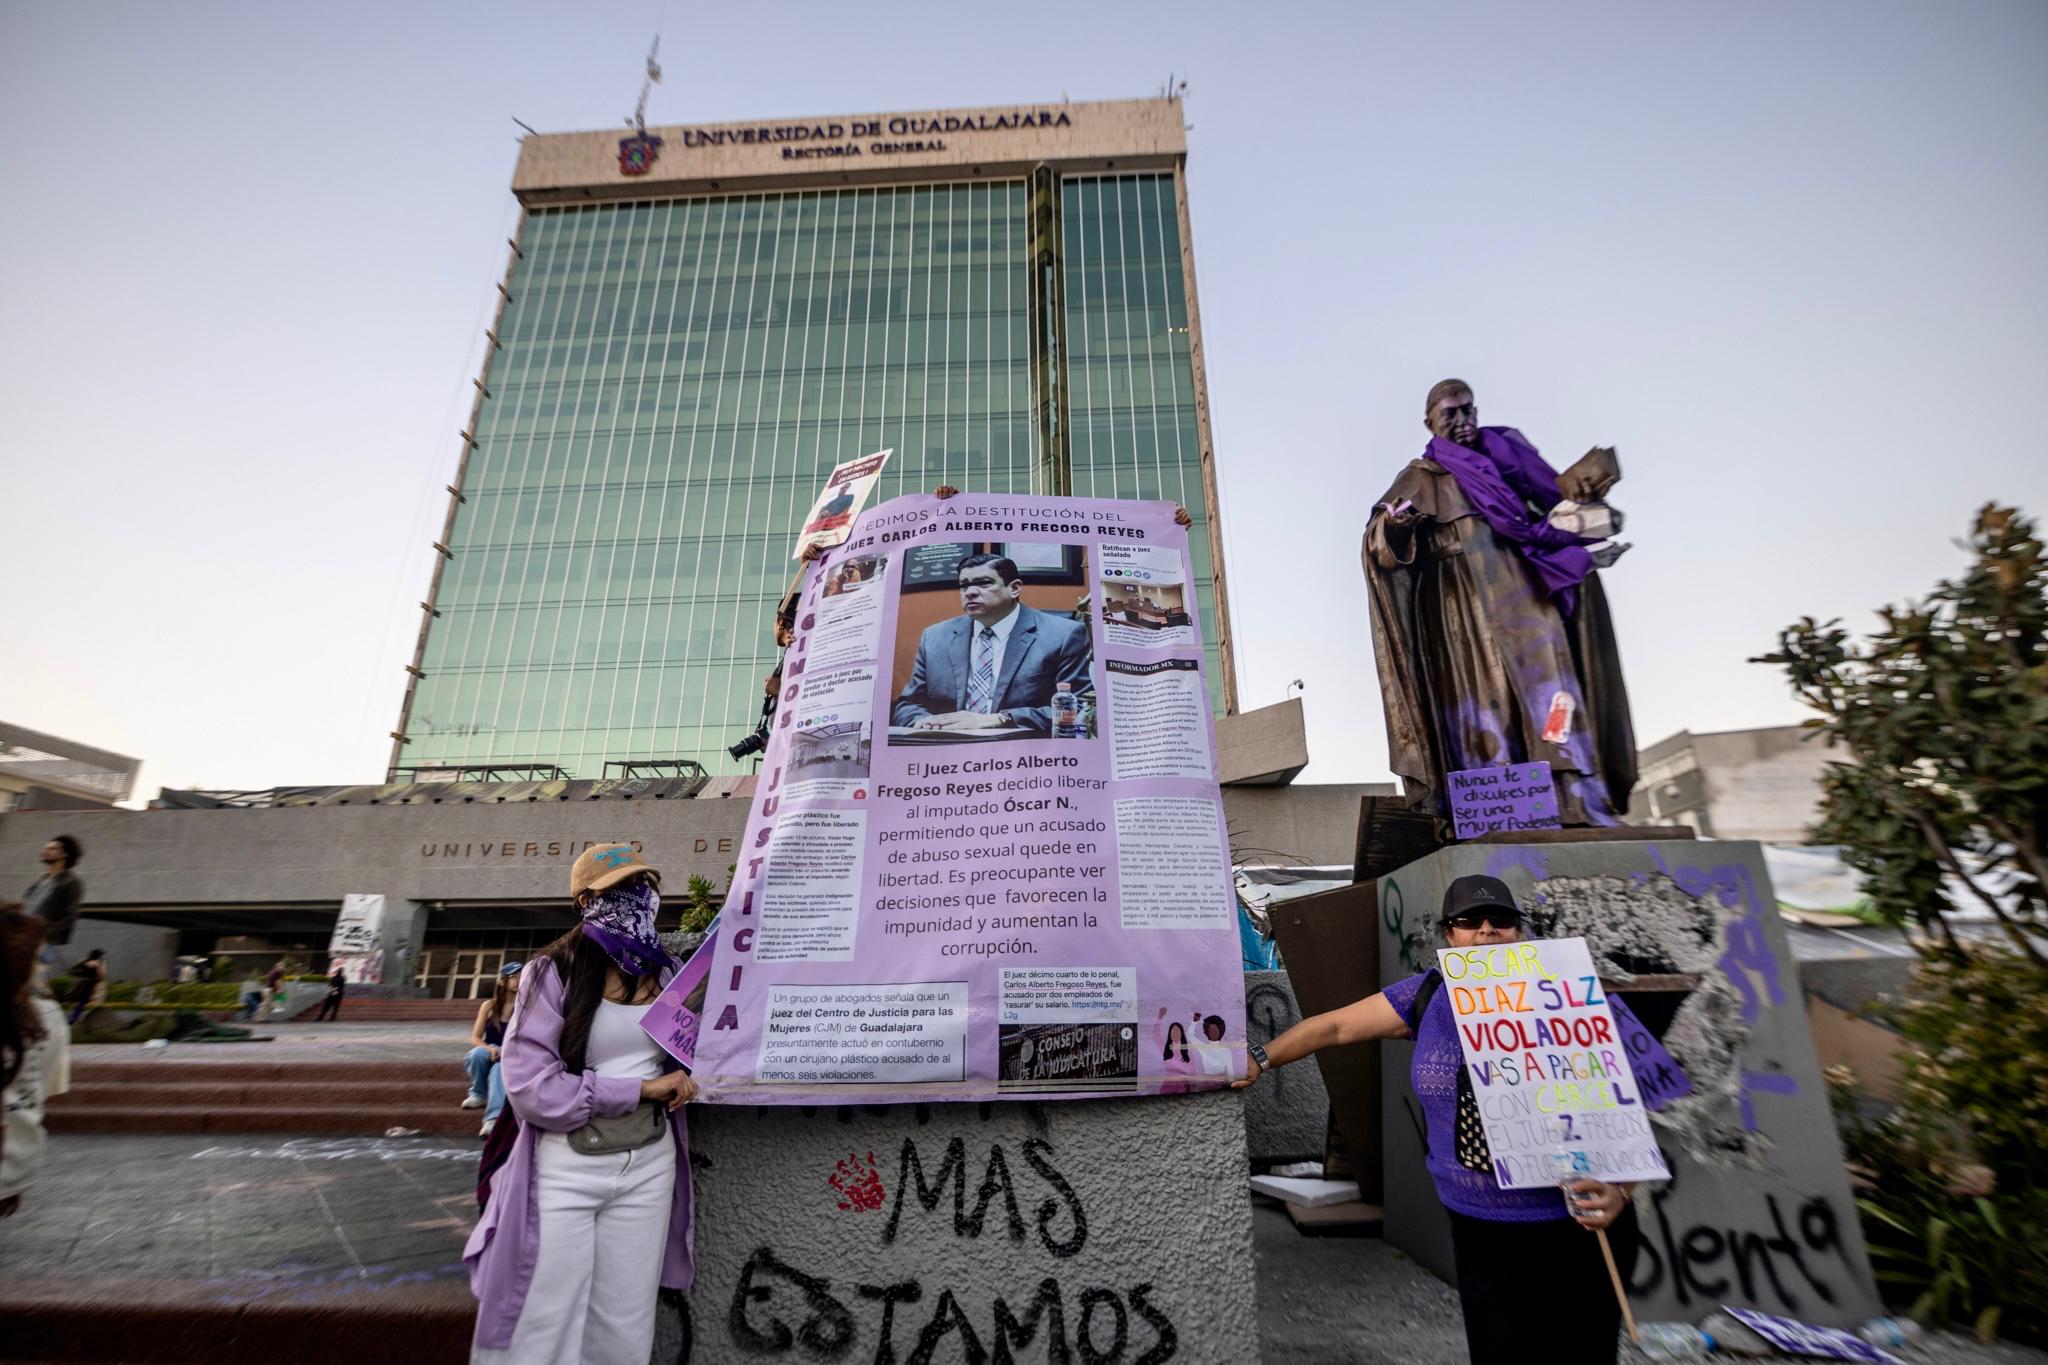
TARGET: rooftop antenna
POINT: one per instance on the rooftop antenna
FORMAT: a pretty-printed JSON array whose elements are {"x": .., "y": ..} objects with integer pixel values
[{"x": 638, "y": 122}]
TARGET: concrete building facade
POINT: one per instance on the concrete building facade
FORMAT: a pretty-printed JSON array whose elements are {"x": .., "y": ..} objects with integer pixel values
[
  {"x": 474, "y": 874},
  {"x": 45, "y": 772},
  {"x": 1733, "y": 784},
  {"x": 696, "y": 323}
]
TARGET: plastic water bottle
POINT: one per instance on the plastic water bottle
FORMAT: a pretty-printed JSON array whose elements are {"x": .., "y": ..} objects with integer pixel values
[
  {"x": 1065, "y": 711},
  {"x": 1882, "y": 1332},
  {"x": 1673, "y": 1341}
]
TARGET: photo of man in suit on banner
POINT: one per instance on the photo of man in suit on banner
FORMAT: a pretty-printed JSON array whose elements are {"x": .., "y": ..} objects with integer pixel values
[{"x": 1001, "y": 669}]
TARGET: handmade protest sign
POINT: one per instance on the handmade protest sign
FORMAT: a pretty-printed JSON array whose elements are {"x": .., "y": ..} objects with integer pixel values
[
  {"x": 1549, "y": 1069},
  {"x": 986, "y": 857},
  {"x": 1516, "y": 796},
  {"x": 839, "y": 502},
  {"x": 674, "y": 1017},
  {"x": 1656, "y": 1070}
]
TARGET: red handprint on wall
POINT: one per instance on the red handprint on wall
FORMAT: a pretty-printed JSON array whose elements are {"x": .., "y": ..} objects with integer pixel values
[{"x": 859, "y": 1182}]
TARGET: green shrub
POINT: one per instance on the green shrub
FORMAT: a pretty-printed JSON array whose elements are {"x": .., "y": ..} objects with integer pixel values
[
  {"x": 1957, "y": 1225},
  {"x": 703, "y": 905},
  {"x": 205, "y": 994},
  {"x": 101, "y": 1027}
]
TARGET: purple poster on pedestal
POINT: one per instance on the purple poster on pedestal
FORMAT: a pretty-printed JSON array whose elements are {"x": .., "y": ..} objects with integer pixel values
[
  {"x": 987, "y": 857},
  {"x": 1513, "y": 796}
]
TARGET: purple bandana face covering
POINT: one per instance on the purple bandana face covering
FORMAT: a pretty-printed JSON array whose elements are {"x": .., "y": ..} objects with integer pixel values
[{"x": 620, "y": 920}]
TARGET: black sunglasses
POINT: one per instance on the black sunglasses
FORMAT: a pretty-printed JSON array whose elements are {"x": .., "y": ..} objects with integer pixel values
[{"x": 1492, "y": 919}]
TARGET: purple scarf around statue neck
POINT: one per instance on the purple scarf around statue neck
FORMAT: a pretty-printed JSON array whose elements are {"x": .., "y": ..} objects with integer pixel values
[{"x": 1501, "y": 483}]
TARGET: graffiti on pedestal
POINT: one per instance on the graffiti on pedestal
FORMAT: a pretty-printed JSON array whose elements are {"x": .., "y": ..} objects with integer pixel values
[
  {"x": 1777, "y": 1250},
  {"x": 800, "y": 1305}
]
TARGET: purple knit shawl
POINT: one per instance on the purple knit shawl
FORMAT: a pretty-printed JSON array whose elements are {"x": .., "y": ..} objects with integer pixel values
[{"x": 1501, "y": 484}]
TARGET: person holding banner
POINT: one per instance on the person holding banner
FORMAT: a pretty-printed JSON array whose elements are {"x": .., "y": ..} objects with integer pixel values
[
  {"x": 1530, "y": 1283},
  {"x": 590, "y": 1214}
]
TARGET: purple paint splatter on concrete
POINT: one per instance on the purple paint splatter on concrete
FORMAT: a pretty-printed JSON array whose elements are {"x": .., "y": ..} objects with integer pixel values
[
  {"x": 1771, "y": 1082},
  {"x": 1509, "y": 856}
]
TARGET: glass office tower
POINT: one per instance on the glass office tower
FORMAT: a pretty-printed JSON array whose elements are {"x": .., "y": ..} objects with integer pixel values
[{"x": 676, "y": 365}]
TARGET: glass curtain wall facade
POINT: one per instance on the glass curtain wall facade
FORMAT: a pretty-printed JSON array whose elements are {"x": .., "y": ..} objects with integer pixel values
[
  {"x": 674, "y": 379},
  {"x": 1132, "y": 424}
]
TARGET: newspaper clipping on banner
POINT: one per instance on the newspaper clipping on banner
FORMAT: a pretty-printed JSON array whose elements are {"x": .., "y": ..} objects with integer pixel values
[{"x": 986, "y": 857}]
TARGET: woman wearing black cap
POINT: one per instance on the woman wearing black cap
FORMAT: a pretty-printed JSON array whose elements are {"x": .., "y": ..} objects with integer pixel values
[{"x": 1518, "y": 1255}]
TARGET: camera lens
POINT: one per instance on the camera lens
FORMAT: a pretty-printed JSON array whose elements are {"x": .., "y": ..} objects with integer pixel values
[{"x": 748, "y": 747}]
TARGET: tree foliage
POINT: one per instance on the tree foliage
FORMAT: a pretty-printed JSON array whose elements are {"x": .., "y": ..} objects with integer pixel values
[{"x": 1941, "y": 718}]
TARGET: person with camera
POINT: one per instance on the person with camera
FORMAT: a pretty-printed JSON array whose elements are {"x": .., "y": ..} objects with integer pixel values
[
  {"x": 1521, "y": 1254},
  {"x": 590, "y": 1215}
]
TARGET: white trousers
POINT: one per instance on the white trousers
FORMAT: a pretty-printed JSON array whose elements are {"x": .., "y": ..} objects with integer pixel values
[{"x": 603, "y": 1233}]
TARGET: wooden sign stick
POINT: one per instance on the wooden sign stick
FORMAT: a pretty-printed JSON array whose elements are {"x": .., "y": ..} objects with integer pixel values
[{"x": 1614, "y": 1274}]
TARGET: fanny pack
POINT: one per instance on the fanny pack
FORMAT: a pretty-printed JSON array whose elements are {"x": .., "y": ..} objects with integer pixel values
[{"x": 646, "y": 1125}]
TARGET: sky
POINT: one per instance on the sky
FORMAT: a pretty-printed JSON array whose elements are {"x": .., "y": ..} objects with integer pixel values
[{"x": 1786, "y": 258}]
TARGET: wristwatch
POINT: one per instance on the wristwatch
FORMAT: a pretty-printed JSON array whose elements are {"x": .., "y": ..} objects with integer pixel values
[{"x": 1258, "y": 1054}]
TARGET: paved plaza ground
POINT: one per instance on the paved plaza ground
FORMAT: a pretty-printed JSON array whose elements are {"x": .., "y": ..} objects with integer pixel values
[
  {"x": 347, "y": 1225},
  {"x": 348, "y": 1246}
]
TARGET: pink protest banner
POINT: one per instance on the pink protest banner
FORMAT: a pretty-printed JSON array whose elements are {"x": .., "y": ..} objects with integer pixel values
[
  {"x": 1551, "y": 1072},
  {"x": 987, "y": 857}
]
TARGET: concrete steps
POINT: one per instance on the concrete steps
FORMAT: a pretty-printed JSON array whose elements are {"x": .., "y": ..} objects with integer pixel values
[
  {"x": 361, "y": 1122},
  {"x": 258, "y": 1096},
  {"x": 169, "y": 1322},
  {"x": 387, "y": 1010}
]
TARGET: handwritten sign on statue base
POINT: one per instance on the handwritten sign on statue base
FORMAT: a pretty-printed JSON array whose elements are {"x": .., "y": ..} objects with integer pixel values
[{"x": 1487, "y": 800}]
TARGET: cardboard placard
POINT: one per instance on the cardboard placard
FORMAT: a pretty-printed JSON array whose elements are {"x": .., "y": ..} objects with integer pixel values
[
  {"x": 1657, "y": 1071},
  {"x": 1487, "y": 800},
  {"x": 830, "y": 519},
  {"x": 1548, "y": 1066}
]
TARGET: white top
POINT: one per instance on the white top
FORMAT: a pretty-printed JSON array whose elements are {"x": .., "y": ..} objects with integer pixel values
[
  {"x": 45, "y": 1073},
  {"x": 619, "y": 1046}
]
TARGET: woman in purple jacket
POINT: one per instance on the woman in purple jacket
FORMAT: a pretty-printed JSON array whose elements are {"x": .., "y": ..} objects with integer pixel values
[
  {"x": 590, "y": 1215},
  {"x": 1522, "y": 1254}
]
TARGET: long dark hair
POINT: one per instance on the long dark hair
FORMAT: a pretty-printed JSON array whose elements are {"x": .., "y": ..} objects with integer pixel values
[
  {"x": 583, "y": 967},
  {"x": 501, "y": 998},
  {"x": 1168, "y": 1054},
  {"x": 20, "y": 1025}
]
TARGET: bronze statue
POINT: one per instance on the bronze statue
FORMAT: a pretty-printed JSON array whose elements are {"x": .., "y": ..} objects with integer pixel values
[{"x": 1493, "y": 637}]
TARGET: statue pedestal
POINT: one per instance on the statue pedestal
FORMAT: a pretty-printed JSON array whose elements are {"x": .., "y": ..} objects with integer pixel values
[
  {"x": 1758, "y": 1212},
  {"x": 859, "y": 1231}
]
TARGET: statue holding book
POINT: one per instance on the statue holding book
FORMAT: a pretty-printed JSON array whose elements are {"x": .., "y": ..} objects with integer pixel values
[{"x": 1494, "y": 642}]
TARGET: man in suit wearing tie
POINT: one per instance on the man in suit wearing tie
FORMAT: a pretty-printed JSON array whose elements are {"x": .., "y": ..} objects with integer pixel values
[{"x": 998, "y": 663}]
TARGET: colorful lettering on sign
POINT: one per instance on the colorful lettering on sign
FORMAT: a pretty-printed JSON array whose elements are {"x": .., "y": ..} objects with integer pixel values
[{"x": 1552, "y": 1074}]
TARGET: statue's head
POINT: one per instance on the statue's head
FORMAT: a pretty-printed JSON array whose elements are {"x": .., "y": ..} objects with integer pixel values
[{"x": 1451, "y": 413}]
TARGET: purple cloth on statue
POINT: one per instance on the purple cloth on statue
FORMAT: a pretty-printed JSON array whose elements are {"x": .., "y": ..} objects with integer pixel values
[
  {"x": 1434, "y": 1075},
  {"x": 1501, "y": 484}
]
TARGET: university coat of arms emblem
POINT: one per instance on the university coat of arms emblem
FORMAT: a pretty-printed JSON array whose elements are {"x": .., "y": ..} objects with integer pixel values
[{"x": 637, "y": 153}]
